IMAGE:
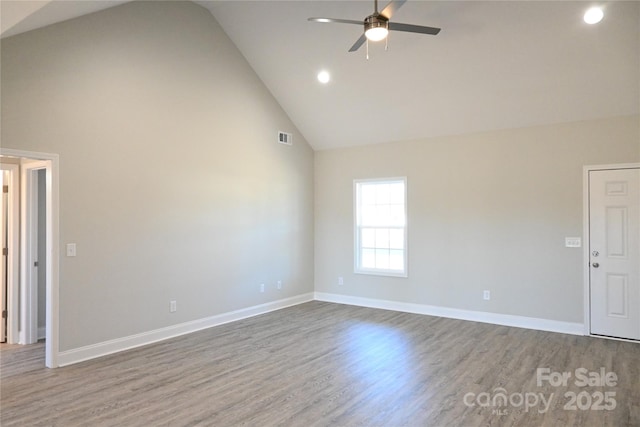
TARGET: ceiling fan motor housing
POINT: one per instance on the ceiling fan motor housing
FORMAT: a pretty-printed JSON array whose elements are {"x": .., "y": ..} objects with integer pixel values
[{"x": 376, "y": 21}]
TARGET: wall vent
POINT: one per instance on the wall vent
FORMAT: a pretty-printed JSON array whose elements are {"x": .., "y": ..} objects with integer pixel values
[{"x": 285, "y": 138}]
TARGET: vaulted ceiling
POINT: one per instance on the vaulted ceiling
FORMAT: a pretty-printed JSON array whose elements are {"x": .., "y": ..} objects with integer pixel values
[{"x": 494, "y": 65}]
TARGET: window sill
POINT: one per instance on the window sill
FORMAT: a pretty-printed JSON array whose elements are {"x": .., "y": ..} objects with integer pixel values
[{"x": 402, "y": 275}]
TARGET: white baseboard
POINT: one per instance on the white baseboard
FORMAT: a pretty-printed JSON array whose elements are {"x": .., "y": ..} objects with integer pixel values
[
  {"x": 120, "y": 344},
  {"x": 93, "y": 351},
  {"x": 454, "y": 313}
]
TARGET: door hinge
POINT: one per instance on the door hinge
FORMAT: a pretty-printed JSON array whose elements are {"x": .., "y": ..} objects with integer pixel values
[
  {"x": 5, "y": 251},
  {"x": 5, "y": 188},
  {"x": 4, "y": 314},
  {"x": 35, "y": 264}
]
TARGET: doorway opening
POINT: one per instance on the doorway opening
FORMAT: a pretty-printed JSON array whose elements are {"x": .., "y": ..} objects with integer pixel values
[{"x": 29, "y": 267}]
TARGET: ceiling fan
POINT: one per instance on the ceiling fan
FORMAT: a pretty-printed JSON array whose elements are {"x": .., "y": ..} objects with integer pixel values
[{"x": 377, "y": 26}]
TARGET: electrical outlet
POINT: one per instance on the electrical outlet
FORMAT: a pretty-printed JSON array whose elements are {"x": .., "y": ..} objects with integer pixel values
[
  {"x": 279, "y": 284},
  {"x": 486, "y": 295},
  {"x": 173, "y": 307},
  {"x": 261, "y": 287},
  {"x": 340, "y": 281}
]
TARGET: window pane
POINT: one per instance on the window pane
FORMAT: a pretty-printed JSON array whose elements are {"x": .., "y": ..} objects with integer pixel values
[
  {"x": 368, "y": 258},
  {"x": 382, "y": 194},
  {"x": 396, "y": 193},
  {"x": 368, "y": 194},
  {"x": 382, "y": 238},
  {"x": 396, "y": 215},
  {"x": 382, "y": 259},
  {"x": 368, "y": 215},
  {"x": 368, "y": 238},
  {"x": 383, "y": 216},
  {"x": 396, "y": 260},
  {"x": 396, "y": 238}
]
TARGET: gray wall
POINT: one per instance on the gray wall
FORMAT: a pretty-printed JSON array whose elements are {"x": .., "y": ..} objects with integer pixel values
[
  {"x": 485, "y": 211},
  {"x": 172, "y": 184}
]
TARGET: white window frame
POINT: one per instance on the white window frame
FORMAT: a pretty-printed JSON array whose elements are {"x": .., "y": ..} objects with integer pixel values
[{"x": 357, "y": 229}]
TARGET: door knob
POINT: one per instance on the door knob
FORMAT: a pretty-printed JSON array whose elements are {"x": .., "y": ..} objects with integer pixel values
[{"x": 595, "y": 265}]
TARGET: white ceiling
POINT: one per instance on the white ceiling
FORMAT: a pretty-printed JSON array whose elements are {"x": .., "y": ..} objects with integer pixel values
[{"x": 494, "y": 65}]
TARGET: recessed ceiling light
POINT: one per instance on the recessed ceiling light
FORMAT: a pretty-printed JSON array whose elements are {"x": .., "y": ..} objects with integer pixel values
[
  {"x": 593, "y": 15},
  {"x": 324, "y": 77}
]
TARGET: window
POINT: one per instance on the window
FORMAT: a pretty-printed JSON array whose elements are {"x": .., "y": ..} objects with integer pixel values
[{"x": 381, "y": 227}]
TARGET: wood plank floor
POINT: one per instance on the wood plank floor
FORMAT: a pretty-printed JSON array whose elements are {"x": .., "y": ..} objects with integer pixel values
[{"x": 322, "y": 364}]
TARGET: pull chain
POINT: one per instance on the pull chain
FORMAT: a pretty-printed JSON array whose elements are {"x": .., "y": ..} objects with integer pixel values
[{"x": 367, "y": 49}]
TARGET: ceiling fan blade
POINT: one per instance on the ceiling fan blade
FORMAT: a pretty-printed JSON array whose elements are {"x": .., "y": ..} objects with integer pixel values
[
  {"x": 392, "y": 8},
  {"x": 334, "y": 20},
  {"x": 396, "y": 26},
  {"x": 358, "y": 43}
]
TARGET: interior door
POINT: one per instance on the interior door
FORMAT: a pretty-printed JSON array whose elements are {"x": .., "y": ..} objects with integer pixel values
[{"x": 614, "y": 249}]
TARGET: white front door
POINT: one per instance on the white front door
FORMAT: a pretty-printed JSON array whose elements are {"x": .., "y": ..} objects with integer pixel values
[{"x": 614, "y": 252}]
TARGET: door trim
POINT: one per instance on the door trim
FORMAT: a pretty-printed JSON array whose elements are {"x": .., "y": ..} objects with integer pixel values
[
  {"x": 53, "y": 252},
  {"x": 587, "y": 238}
]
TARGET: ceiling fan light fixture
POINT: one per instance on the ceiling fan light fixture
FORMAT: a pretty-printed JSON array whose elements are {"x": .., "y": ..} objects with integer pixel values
[
  {"x": 376, "y": 34},
  {"x": 376, "y": 28}
]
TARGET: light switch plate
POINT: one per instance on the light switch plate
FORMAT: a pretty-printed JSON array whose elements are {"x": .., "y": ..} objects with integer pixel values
[
  {"x": 71, "y": 249},
  {"x": 572, "y": 242}
]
